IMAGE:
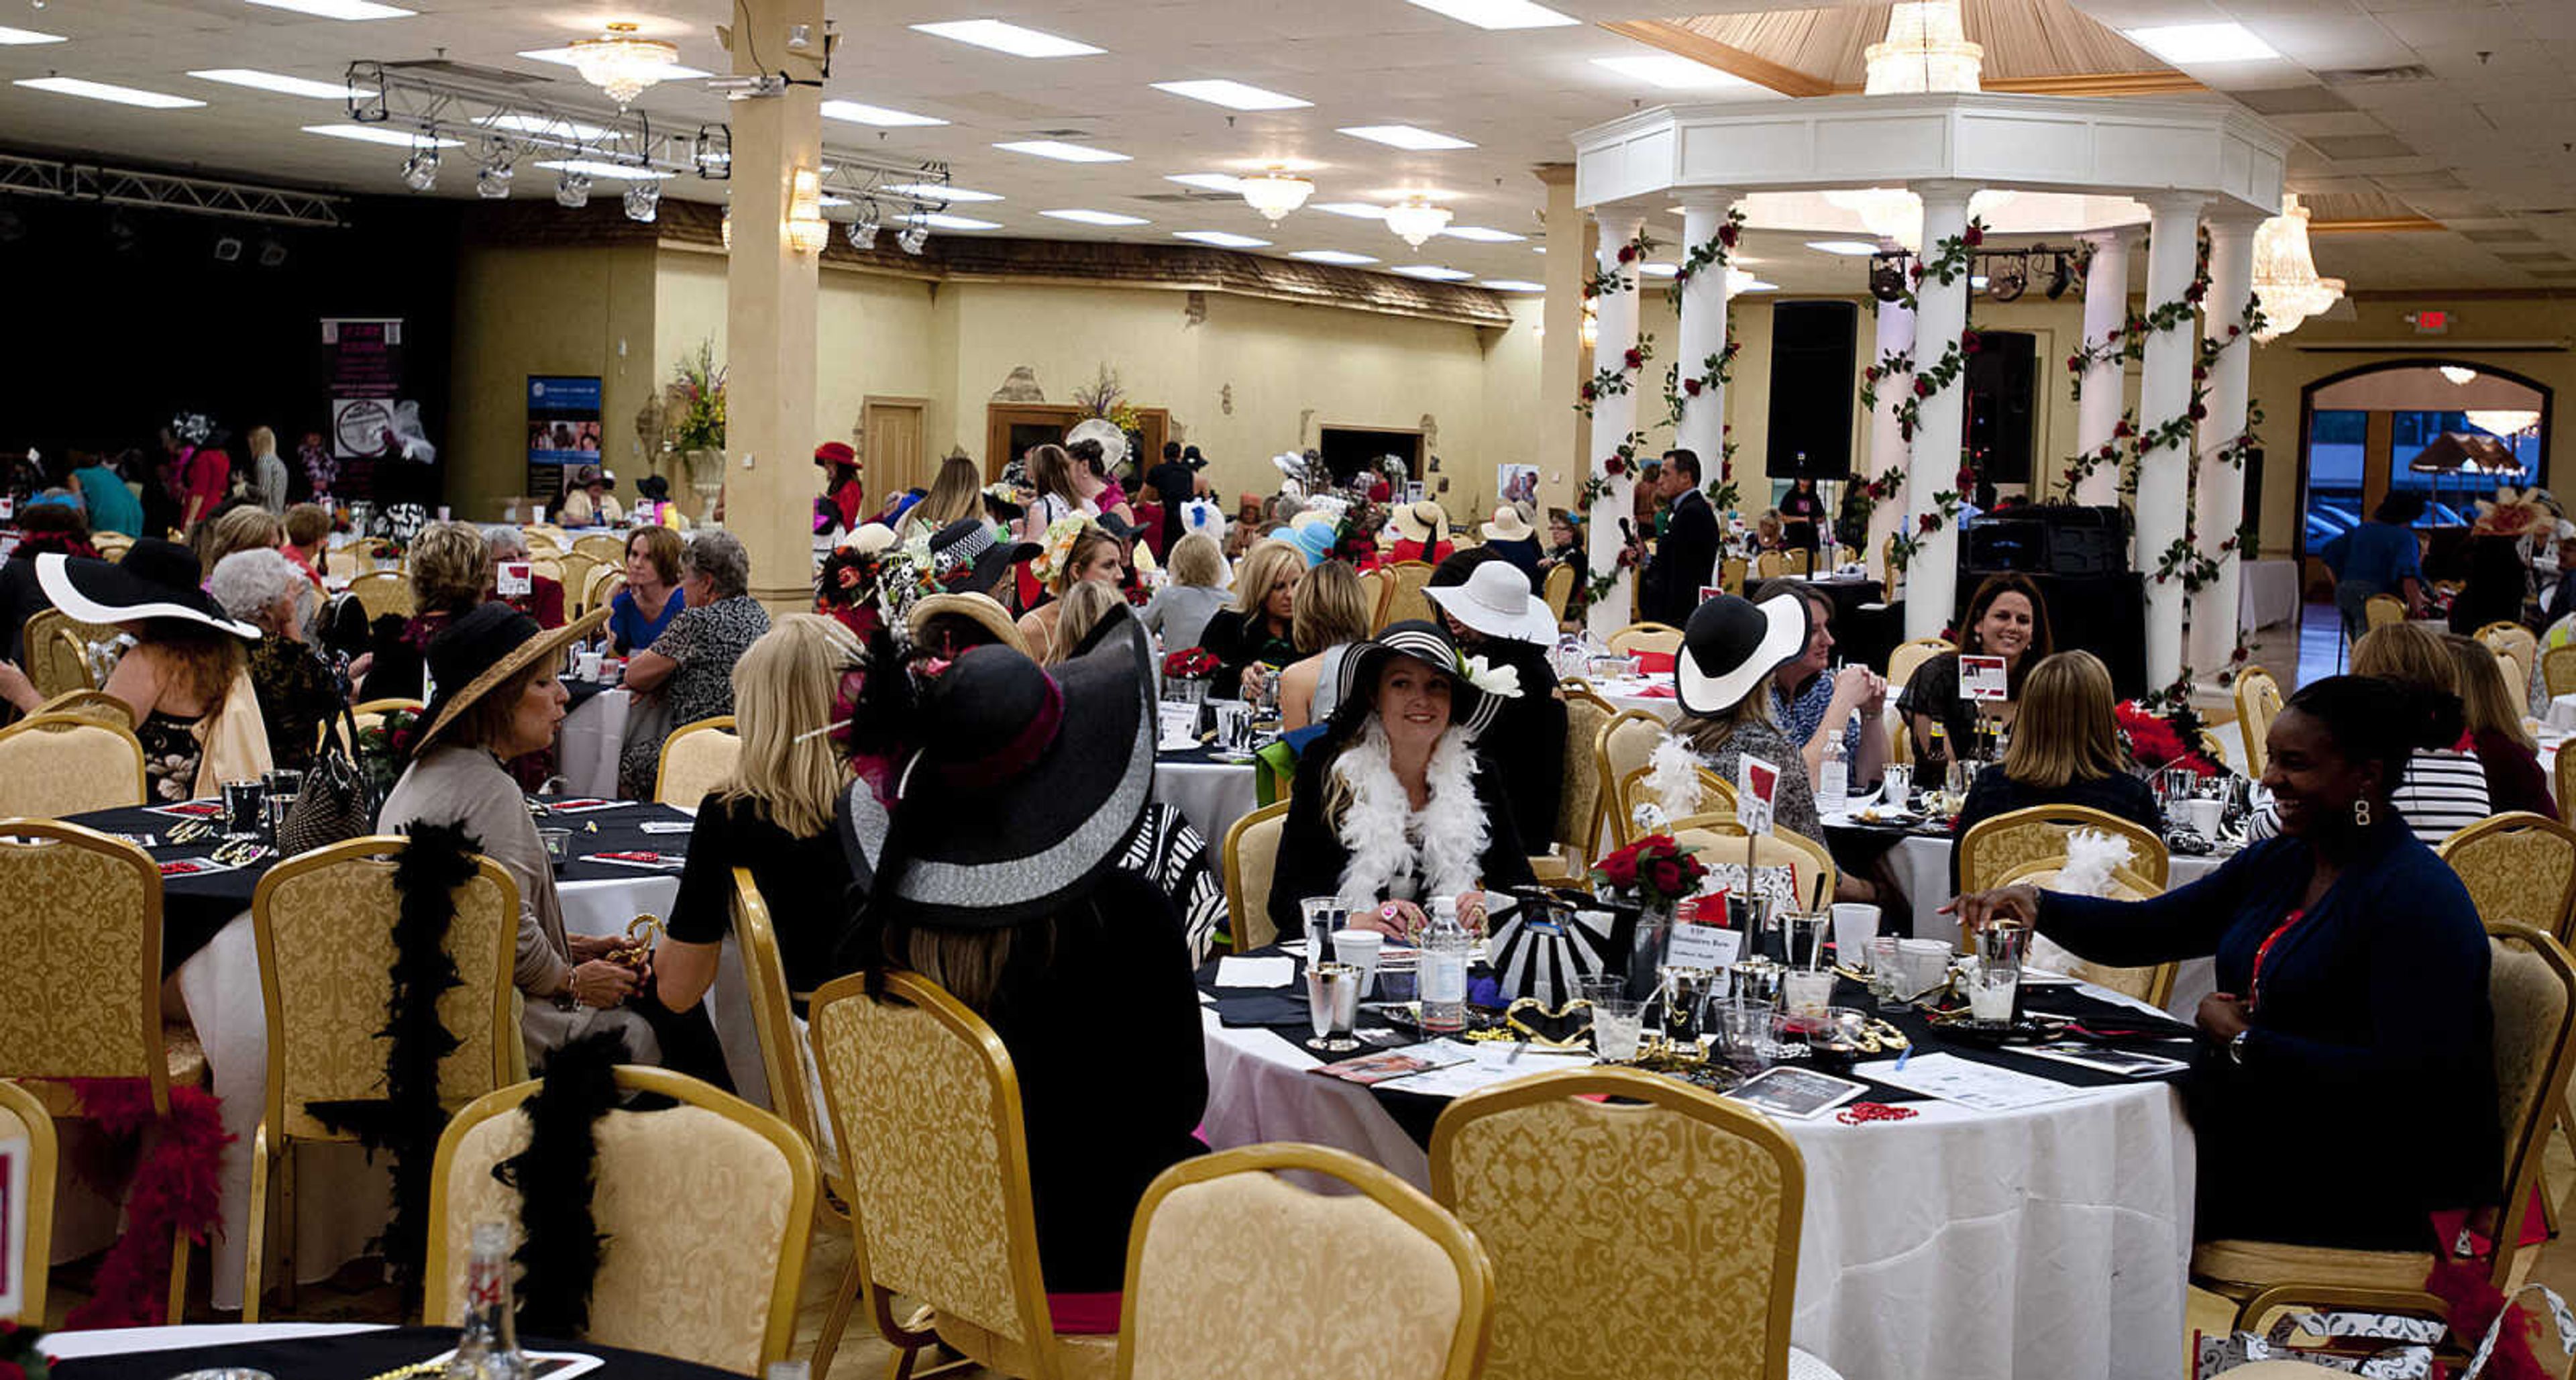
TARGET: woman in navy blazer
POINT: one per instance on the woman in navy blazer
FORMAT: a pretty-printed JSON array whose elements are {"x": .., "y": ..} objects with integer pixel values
[{"x": 2344, "y": 1085}]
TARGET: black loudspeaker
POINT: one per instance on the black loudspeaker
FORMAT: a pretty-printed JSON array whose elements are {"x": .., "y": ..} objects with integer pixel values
[
  {"x": 2048, "y": 539},
  {"x": 2001, "y": 401},
  {"x": 1811, "y": 389}
]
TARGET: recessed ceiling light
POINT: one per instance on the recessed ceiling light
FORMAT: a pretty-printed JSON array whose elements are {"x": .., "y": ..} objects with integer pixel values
[
  {"x": 540, "y": 125},
  {"x": 1222, "y": 239},
  {"x": 1356, "y": 210},
  {"x": 933, "y": 191},
  {"x": 102, "y": 91},
  {"x": 12, "y": 37},
  {"x": 1209, "y": 182},
  {"x": 941, "y": 220},
  {"x": 1008, "y": 38},
  {"x": 339, "y": 9},
  {"x": 1062, "y": 152},
  {"x": 1512, "y": 285},
  {"x": 1406, "y": 137},
  {"x": 282, "y": 84},
  {"x": 2185, "y": 44},
  {"x": 1332, "y": 256},
  {"x": 1499, "y": 14},
  {"x": 381, "y": 134},
  {"x": 1097, "y": 217},
  {"x": 860, "y": 113},
  {"x": 1233, "y": 95},
  {"x": 1853, "y": 248},
  {"x": 563, "y": 57},
  {"x": 593, "y": 167},
  {"x": 1671, "y": 72},
  {"x": 1434, "y": 272},
  {"x": 1482, "y": 234}
]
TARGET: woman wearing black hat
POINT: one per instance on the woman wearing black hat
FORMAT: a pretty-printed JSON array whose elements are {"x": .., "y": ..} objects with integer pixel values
[
  {"x": 498, "y": 699},
  {"x": 187, "y": 677},
  {"x": 995, "y": 874},
  {"x": 1391, "y": 808},
  {"x": 1722, "y": 678}
]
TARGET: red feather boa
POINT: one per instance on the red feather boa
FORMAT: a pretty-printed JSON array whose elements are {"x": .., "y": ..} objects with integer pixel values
[
  {"x": 2473, "y": 1306},
  {"x": 174, "y": 1190}
]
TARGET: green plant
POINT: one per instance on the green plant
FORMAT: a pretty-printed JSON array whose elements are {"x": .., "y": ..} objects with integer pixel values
[{"x": 698, "y": 390}]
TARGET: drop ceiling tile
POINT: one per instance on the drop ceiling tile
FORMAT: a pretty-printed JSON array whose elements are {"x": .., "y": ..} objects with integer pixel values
[
  {"x": 2353, "y": 148},
  {"x": 2292, "y": 100}
]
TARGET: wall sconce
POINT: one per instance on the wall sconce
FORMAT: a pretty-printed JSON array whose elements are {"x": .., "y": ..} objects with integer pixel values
[{"x": 806, "y": 228}]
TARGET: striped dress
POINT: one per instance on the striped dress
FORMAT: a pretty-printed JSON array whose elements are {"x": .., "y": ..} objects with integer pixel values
[{"x": 2440, "y": 794}]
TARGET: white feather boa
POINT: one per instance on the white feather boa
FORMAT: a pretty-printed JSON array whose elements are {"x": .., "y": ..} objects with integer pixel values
[
  {"x": 1385, "y": 838},
  {"x": 1672, "y": 785}
]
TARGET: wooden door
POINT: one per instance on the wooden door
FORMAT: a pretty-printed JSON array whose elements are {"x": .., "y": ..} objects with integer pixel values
[
  {"x": 892, "y": 429},
  {"x": 1010, "y": 429}
]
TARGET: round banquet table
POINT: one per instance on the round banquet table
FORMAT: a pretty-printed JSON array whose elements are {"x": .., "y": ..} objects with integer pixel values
[
  {"x": 1210, "y": 794},
  {"x": 587, "y": 742},
  {"x": 295, "y": 1351},
  {"x": 2049, "y": 1243},
  {"x": 341, "y": 1199},
  {"x": 1653, "y": 694}
]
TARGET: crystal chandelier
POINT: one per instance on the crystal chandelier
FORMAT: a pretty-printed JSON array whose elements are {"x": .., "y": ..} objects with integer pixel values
[
  {"x": 806, "y": 228},
  {"x": 621, "y": 63},
  {"x": 1275, "y": 192},
  {"x": 1926, "y": 50},
  {"x": 2459, "y": 375},
  {"x": 2285, "y": 277},
  {"x": 1415, "y": 220},
  {"x": 2502, "y": 421}
]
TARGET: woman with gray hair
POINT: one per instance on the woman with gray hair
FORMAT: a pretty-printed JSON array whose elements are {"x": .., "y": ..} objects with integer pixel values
[
  {"x": 298, "y": 692},
  {"x": 543, "y": 599},
  {"x": 687, "y": 674}
]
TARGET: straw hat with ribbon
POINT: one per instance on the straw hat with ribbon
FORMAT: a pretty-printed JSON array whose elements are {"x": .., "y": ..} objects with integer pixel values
[
  {"x": 481, "y": 651},
  {"x": 1508, "y": 525},
  {"x": 1426, "y": 522}
]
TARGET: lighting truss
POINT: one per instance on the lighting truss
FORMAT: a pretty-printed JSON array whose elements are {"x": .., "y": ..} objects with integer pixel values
[
  {"x": 866, "y": 181},
  {"x": 200, "y": 195},
  {"x": 499, "y": 128}
]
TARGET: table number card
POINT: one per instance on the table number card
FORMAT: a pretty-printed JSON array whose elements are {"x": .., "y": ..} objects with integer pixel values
[
  {"x": 1180, "y": 723},
  {"x": 1703, "y": 946},
  {"x": 1983, "y": 678},
  {"x": 1756, "y": 783},
  {"x": 512, "y": 578},
  {"x": 14, "y": 1156}
]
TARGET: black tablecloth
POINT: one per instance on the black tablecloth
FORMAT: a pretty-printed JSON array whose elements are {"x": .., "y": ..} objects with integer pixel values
[
  {"x": 1284, "y": 1009},
  {"x": 580, "y": 690},
  {"x": 353, "y": 1355},
  {"x": 194, "y": 908}
]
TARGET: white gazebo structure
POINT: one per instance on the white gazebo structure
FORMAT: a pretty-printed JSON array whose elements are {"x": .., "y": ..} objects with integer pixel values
[{"x": 2093, "y": 167}]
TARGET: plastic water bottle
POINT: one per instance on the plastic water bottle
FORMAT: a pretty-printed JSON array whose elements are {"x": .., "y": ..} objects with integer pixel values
[
  {"x": 488, "y": 1348},
  {"x": 1833, "y": 783},
  {"x": 1444, "y": 969}
]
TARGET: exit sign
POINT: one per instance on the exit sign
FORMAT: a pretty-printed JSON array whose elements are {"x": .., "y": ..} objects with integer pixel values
[{"x": 2430, "y": 322}]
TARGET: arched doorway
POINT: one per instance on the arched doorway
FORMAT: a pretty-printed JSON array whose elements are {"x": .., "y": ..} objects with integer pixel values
[{"x": 2379, "y": 427}]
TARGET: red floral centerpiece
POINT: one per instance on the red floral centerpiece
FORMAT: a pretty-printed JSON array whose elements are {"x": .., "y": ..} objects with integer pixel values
[
  {"x": 2168, "y": 739},
  {"x": 1658, "y": 872},
  {"x": 1190, "y": 663}
]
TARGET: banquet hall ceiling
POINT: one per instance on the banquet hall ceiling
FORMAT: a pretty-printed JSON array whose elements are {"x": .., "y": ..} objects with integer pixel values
[{"x": 2463, "y": 112}]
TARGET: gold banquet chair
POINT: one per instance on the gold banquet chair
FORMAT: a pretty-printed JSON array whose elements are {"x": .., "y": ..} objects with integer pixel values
[
  {"x": 696, "y": 759},
  {"x": 1646, "y": 637},
  {"x": 1376, "y": 586},
  {"x": 1623, "y": 746},
  {"x": 90, "y": 704},
  {"x": 1720, "y": 839},
  {"x": 2518, "y": 866},
  {"x": 1404, "y": 596},
  {"x": 1909, "y": 657},
  {"x": 58, "y": 651},
  {"x": 2558, "y": 671},
  {"x": 324, "y": 922},
  {"x": 56, "y": 765},
  {"x": 1419, "y": 1311},
  {"x": 382, "y": 592},
  {"x": 2532, "y": 986},
  {"x": 2153, "y": 984},
  {"x": 1578, "y": 808},
  {"x": 1581, "y": 1293},
  {"x": 1251, "y": 857},
  {"x": 1557, "y": 591},
  {"x": 1716, "y": 795},
  {"x": 80, "y": 992},
  {"x": 2258, "y": 703},
  {"x": 2029, "y": 845},
  {"x": 23, "y": 1116},
  {"x": 2380, "y": 610},
  {"x": 606, "y": 550},
  {"x": 926, "y": 1105},
  {"x": 2514, "y": 646},
  {"x": 708, "y": 1208}
]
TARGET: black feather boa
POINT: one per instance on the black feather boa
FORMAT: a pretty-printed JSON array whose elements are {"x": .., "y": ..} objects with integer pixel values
[
  {"x": 407, "y": 1121},
  {"x": 557, "y": 1176}
]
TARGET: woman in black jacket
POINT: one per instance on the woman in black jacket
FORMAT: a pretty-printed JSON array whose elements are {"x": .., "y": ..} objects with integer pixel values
[
  {"x": 1391, "y": 807},
  {"x": 1257, "y": 630}
]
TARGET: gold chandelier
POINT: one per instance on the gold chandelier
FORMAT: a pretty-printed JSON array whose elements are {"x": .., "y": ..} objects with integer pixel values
[
  {"x": 2285, "y": 276},
  {"x": 622, "y": 63}
]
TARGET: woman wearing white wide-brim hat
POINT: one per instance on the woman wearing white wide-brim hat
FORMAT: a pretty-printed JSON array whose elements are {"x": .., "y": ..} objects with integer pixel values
[{"x": 1486, "y": 604}]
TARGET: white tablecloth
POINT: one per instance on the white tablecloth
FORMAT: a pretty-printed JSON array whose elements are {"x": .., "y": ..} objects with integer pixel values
[
  {"x": 1211, "y": 795},
  {"x": 1626, "y": 693},
  {"x": 2267, "y": 592},
  {"x": 2048, "y": 1244},
  {"x": 126, "y": 1341},
  {"x": 340, "y": 1200},
  {"x": 587, "y": 743}
]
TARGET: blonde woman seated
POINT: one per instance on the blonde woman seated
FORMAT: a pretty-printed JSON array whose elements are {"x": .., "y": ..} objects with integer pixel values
[
  {"x": 1077, "y": 613},
  {"x": 1094, "y": 556},
  {"x": 1255, "y": 630},
  {"x": 958, "y": 492},
  {"x": 773, "y": 815},
  {"x": 1180, "y": 610},
  {"x": 1391, "y": 807},
  {"x": 498, "y": 699},
  {"x": 1329, "y": 616},
  {"x": 2065, "y": 752}
]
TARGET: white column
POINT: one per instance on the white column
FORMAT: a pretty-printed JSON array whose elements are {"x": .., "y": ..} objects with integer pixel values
[
  {"x": 2105, "y": 382},
  {"x": 1887, "y": 449},
  {"x": 2164, "y": 393},
  {"x": 2220, "y": 505},
  {"x": 1941, "y": 314},
  {"x": 1614, "y": 416},
  {"x": 1702, "y": 333}
]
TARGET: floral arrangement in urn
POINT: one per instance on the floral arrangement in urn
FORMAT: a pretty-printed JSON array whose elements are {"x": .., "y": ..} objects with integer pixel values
[
  {"x": 1105, "y": 397},
  {"x": 696, "y": 405}
]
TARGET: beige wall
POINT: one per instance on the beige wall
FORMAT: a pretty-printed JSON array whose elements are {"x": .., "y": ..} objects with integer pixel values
[{"x": 522, "y": 311}]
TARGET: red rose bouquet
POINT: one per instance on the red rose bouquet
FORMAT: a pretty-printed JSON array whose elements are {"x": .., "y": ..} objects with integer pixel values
[
  {"x": 1190, "y": 663},
  {"x": 22, "y": 1355},
  {"x": 1656, "y": 870}
]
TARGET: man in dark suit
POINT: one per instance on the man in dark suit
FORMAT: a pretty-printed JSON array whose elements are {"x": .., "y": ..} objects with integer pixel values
[
  {"x": 1173, "y": 483},
  {"x": 1686, "y": 557}
]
